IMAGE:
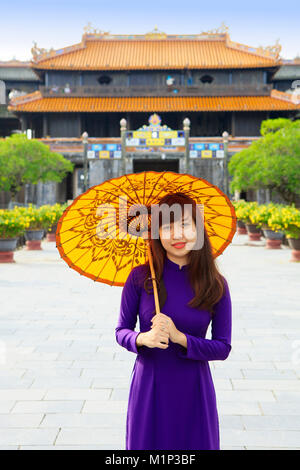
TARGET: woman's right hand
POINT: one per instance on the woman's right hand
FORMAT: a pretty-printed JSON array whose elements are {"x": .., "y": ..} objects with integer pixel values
[{"x": 155, "y": 338}]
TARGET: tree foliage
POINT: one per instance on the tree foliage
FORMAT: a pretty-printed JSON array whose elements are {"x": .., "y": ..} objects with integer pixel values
[
  {"x": 25, "y": 160},
  {"x": 272, "y": 162}
]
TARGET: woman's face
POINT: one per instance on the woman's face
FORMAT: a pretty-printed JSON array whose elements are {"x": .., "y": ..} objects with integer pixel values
[{"x": 179, "y": 237}]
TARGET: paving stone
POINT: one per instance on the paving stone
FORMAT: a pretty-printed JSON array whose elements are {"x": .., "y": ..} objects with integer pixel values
[
  {"x": 89, "y": 436},
  {"x": 267, "y": 440},
  {"x": 265, "y": 374},
  {"x": 240, "y": 396},
  {"x": 233, "y": 408},
  {"x": 285, "y": 408},
  {"x": 22, "y": 436},
  {"x": 106, "y": 420},
  {"x": 17, "y": 394},
  {"x": 10, "y": 420},
  {"x": 6, "y": 405},
  {"x": 43, "y": 406},
  {"x": 61, "y": 382},
  {"x": 290, "y": 423},
  {"x": 265, "y": 384},
  {"x": 78, "y": 394},
  {"x": 110, "y": 406}
]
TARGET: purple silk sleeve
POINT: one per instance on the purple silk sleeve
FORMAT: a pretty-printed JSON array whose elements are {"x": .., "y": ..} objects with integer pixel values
[
  {"x": 125, "y": 334},
  {"x": 219, "y": 346}
]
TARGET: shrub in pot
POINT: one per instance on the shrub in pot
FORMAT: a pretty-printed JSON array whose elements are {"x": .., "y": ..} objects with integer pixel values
[
  {"x": 254, "y": 232},
  {"x": 260, "y": 216},
  {"x": 287, "y": 219},
  {"x": 241, "y": 228},
  {"x": 51, "y": 215},
  {"x": 34, "y": 231},
  {"x": 12, "y": 225}
]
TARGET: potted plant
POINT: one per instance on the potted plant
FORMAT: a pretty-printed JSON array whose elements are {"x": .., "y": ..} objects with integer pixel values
[
  {"x": 241, "y": 228},
  {"x": 287, "y": 219},
  {"x": 12, "y": 225},
  {"x": 51, "y": 215},
  {"x": 246, "y": 215},
  {"x": 260, "y": 216},
  {"x": 34, "y": 228}
]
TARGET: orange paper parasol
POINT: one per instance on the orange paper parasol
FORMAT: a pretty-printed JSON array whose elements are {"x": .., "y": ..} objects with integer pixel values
[{"x": 110, "y": 209}]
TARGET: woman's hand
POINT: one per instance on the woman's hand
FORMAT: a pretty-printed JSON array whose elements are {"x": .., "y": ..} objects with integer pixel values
[
  {"x": 155, "y": 338},
  {"x": 163, "y": 321}
]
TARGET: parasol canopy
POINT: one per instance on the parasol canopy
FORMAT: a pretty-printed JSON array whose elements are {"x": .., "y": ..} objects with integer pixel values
[{"x": 98, "y": 234}]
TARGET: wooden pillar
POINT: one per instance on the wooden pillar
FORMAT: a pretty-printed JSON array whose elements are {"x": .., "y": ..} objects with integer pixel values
[
  {"x": 23, "y": 120},
  {"x": 233, "y": 124},
  {"x": 45, "y": 125},
  {"x": 79, "y": 125},
  {"x": 128, "y": 120}
]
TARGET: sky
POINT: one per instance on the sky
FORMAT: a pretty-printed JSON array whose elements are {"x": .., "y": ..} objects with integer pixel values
[{"x": 56, "y": 24}]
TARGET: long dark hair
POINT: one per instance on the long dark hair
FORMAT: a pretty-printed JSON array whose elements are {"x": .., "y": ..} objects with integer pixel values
[{"x": 206, "y": 281}]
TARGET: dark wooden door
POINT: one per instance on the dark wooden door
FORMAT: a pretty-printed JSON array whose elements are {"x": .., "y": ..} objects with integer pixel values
[{"x": 153, "y": 164}]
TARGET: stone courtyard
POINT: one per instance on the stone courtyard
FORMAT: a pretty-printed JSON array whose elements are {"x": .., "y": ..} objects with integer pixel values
[{"x": 65, "y": 380}]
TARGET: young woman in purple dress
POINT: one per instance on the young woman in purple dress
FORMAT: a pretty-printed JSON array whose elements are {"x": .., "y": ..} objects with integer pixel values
[{"x": 172, "y": 402}]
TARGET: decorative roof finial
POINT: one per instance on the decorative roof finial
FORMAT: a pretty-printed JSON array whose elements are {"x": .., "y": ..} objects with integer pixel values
[
  {"x": 223, "y": 29},
  {"x": 36, "y": 51},
  {"x": 271, "y": 50},
  {"x": 155, "y": 34},
  {"x": 88, "y": 29}
]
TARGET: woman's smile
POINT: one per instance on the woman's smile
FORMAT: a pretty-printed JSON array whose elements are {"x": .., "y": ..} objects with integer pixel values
[{"x": 179, "y": 245}]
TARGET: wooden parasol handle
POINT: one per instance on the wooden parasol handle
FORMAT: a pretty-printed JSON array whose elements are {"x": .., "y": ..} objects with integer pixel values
[{"x": 156, "y": 300}]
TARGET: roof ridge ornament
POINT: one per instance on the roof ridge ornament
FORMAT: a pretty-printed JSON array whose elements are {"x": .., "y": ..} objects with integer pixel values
[
  {"x": 271, "y": 50},
  {"x": 156, "y": 34},
  {"x": 38, "y": 51},
  {"x": 223, "y": 29},
  {"x": 88, "y": 29}
]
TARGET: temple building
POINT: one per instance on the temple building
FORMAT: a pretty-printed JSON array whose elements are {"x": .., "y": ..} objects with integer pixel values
[
  {"x": 127, "y": 103},
  {"x": 220, "y": 85}
]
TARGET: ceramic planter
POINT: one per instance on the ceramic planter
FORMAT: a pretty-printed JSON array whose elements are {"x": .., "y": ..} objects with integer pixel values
[
  {"x": 7, "y": 247},
  {"x": 254, "y": 233},
  {"x": 294, "y": 244},
  {"x": 273, "y": 239},
  {"x": 241, "y": 228},
  {"x": 33, "y": 239}
]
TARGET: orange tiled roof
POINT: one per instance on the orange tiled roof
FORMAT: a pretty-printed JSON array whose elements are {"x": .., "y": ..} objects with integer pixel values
[
  {"x": 34, "y": 102},
  {"x": 146, "y": 52}
]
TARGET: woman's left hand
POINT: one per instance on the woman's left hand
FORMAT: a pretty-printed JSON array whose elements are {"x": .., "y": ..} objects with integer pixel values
[{"x": 163, "y": 321}]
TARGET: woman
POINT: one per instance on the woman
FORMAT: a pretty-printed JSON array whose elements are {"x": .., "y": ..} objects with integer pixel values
[{"x": 172, "y": 401}]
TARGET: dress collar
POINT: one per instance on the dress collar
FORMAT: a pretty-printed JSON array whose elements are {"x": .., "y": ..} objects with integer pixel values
[{"x": 174, "y": 266}]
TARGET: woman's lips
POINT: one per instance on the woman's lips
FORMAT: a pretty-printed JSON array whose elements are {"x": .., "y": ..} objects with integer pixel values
[{"x": 179, "y": 245}]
